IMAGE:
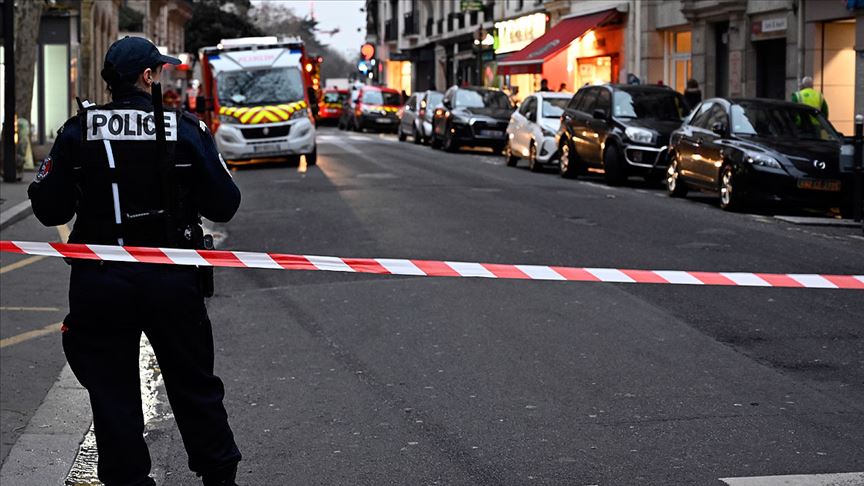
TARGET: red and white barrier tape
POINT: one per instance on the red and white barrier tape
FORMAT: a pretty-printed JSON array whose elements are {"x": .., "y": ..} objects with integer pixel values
[{"x": 428, "y": 268}]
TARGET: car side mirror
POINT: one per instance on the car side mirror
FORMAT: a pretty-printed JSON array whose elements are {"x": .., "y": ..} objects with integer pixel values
[
  {"x": 599, "y": 114},
  {"x": 718, "y": 128}
]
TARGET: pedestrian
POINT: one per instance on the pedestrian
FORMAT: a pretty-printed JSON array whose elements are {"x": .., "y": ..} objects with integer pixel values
[
  {"x": 807, "y": 95},
  {"x": 112, "y": 303},
  {"x": 562, "y": 88},
  {"x": 544, "y": 85},
  {"x": 692, "y": 94}
]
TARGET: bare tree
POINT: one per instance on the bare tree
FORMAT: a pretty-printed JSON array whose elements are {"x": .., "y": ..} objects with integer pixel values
[{"x": 27, "y": 16}]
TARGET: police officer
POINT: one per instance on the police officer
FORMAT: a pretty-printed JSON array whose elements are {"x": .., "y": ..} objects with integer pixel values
[
  {"x": 107, "y": 169},
  {"x": 810, "y": 97}
]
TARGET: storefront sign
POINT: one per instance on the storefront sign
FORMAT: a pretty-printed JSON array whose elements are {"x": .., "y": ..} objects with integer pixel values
[
  {"x": 517, "y": 33},
  {"x": 768, "y": 28},
  {"x": 471, "y": 5}
]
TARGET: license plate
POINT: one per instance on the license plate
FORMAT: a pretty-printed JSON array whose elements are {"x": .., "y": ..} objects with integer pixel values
[
  {"x": 267, "y": 148},
  {"x": 384, "y": 120},
  {"x": 491, "y": 133},
  {"x": 819, "y": 184}
]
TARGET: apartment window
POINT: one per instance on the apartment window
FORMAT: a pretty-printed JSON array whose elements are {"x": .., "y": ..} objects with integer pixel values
[{"x": 678, "y": 63}]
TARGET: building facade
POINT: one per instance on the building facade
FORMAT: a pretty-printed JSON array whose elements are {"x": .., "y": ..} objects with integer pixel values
[{"x": 736, "y": 48}]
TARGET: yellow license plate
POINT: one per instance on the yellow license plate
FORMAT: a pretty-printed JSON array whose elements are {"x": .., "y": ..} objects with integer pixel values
[{"x": 819, "y": 185}]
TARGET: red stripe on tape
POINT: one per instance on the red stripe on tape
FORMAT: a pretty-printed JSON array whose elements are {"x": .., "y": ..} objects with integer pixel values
[
  {"x": 147, "y": 255},
  {"x": 75, "y": 250},
  {"x": 644, "y": 276},
  {"x": 576, "y": 274},
  {"x": 292, "y": 262},
  {"x": 845, "y": 281},
  {"x": 712, "y": 278},
  {"x": 505, "y": 271},
  {"x": 9, "y": 247},
  {"x": 219, "y": 258},
  {"x": 435, "y": 269},
  {"x": 365, "y": 265},
  {"x": 778, "y": 280}
]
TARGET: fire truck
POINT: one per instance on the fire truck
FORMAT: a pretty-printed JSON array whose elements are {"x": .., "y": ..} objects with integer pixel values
[{"x": 260, "y": 99}]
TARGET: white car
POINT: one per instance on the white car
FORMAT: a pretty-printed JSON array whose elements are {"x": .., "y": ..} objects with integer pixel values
[{"x": 532, "y": 129}]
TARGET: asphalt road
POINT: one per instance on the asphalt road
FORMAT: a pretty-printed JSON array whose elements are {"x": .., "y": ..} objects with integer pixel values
[{"x": 364, "y": 379}]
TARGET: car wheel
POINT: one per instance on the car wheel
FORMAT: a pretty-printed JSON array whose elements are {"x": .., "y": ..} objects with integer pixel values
[
  {"x": 674, "y": 185},
  {"x": 312, "y": 157},
  {"x": 567, "y": 163},
  {"x": 510, "y": 159},
  {"x": 449, "y": 144},
  {"x": 416, "y": 136},
  {"x": 731, "y": 197},
  {"x": 615, "y": 172},
  {"x": 533, "y": 165}
]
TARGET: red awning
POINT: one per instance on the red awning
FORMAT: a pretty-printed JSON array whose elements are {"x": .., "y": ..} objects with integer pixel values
[{"x": 530, "y": 59}]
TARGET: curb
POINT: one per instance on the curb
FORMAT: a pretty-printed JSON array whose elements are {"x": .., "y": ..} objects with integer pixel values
[
  {"x": 46, "y": 450},
  {"x": 15, "y": 213}
]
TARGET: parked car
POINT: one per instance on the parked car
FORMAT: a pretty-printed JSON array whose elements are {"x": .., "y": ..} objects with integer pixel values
[
  {"x": 472, "y": 116},
  {"x": 532, "y": 129},
  {"x": 415, "y": 120},
  {"x": 375, "y": 108},
  {"x": 408, "y": 119},
  {"x": 623, "y": 129},
  {"x": 429, "y": 101},
  {"x": 330, "y": 108},
  {"x": 749, "y": 149}
]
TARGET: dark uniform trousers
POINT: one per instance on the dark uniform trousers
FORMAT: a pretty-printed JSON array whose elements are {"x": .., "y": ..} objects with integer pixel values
[{"x": 111, "y": 304}]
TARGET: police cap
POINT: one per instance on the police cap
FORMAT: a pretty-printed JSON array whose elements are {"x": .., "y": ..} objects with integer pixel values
[{"x": 130, "y": 56}]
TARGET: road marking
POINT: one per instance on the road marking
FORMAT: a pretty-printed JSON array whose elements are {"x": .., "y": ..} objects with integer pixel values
[
  {"x": 26, "y": 336},
  {"x": 31, "y": 309},
  {"x": 838, "y": 479},
  {"x": 21, "y": 264}
]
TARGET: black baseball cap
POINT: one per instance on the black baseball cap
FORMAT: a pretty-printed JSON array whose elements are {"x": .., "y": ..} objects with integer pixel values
[{"x": 130, "y": 56}]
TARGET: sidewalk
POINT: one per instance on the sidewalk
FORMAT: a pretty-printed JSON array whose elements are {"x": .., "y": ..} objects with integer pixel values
[{"x": 14, "y": 205}]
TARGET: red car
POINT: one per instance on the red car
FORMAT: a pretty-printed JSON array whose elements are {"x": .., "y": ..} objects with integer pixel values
[
  {"x": 376, "y": 109},
  {"x": 330, "y": 106}
]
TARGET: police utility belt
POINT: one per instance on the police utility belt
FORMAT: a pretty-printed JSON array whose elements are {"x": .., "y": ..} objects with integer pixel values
[{"x": 131, "y": 149}]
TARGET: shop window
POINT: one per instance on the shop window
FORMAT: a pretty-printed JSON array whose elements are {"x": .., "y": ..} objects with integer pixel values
[
  {"x": 835, "y": 59},
  {"x": 594, "y": 70},
  {"x": 56, "y": 88},
  {"x": 678, "y": 65}
]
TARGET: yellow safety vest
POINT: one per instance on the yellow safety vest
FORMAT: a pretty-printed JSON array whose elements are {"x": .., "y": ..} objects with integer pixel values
[{"x": 810, "y": 97}]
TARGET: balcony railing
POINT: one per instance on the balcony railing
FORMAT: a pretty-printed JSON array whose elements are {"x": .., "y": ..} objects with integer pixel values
[
  {"x": 430, "y": 27},
  {"x": 412, "y": 23},
  {"x": 389, "y": 30}
]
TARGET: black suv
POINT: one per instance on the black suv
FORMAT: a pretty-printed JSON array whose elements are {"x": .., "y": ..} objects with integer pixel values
[
  {"x": 623, "y": 129},
  {"x": 471, "y": 116}
]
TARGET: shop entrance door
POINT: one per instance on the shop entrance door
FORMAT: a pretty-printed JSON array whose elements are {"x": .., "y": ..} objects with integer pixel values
[{"x": 771, "y": 68}]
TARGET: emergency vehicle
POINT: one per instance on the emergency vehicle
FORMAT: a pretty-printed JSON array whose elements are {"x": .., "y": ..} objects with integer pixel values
[{"x": 260, "y": 102}]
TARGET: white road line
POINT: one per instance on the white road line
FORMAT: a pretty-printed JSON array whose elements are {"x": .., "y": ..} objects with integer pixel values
[{"x": 837, "y": 479}]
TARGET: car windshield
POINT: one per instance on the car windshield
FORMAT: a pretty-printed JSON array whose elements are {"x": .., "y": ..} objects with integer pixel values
[
  {"x": 434, "y": 99},
  {"x": 654, "y": 104},
  {"x": 469, "y": 98},
  {"x": 259, "y": 86},
  {"x": 381, "y": 98},
  {"x": 554, "y": 107},
  {"x": 335, "y": 97},
  {"x": 781, "y": 121}
]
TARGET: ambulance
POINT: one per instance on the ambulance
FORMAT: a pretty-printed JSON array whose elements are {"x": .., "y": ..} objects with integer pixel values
[{"x": 259, "y": 102}]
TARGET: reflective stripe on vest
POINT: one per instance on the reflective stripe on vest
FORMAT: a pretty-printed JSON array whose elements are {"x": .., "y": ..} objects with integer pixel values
[{"x": 810, "y": 97}]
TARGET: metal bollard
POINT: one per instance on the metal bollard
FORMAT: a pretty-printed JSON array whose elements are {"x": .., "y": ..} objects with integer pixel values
[{"x": 858, "y": 169}]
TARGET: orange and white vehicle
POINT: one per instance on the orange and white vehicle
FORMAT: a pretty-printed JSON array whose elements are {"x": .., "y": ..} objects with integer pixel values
[{"x": 260, "y": 99}]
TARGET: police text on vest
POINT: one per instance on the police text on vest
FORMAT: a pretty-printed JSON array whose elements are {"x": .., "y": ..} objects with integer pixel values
[{"x": 128, "y": 125}]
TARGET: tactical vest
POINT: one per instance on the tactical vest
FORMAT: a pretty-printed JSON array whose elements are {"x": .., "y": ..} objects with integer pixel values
[{"x": 121, "y": 184}]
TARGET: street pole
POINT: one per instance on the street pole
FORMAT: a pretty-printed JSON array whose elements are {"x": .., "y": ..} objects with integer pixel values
[
  {"x": 858, "y": 171},
  {"x": 9, "y": 166}
]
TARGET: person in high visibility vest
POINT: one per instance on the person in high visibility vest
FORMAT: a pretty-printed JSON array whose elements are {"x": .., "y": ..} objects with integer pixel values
[{"x": 810, "y": 97}]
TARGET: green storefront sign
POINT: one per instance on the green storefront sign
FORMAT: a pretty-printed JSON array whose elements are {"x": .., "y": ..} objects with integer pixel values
[{"x": 471, "y": 5}]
